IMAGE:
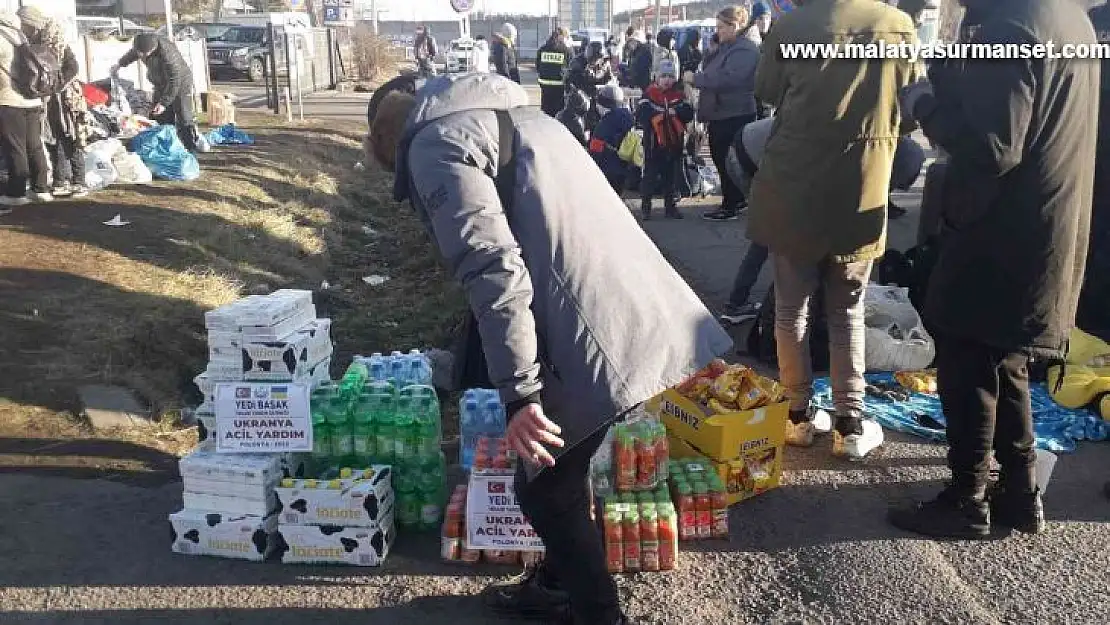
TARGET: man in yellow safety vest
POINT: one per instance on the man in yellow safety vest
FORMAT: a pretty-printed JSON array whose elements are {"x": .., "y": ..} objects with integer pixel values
[{"x": 551, "y": 65}]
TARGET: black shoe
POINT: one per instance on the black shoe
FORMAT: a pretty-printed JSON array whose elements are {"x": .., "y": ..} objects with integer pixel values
[
  {"x": 1016, "y": 510},
  {"x": 721, "y": 215},
  {"x": 893, "y": 211},
  {"x": 950, "y": 515},
  {"x": 529, "y": 596},
  {"x": 671, "y": 212}
]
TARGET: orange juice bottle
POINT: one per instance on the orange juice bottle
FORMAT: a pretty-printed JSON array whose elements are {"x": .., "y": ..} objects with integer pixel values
[
  {"x": 631, "y": 540},
  {"x": 668, "y": 539},
  {"x": 645, "y": 461},
  {"x": 687, "y": 519},
  {"x": 614, "y": 541},
  {"x": 703, "y": 508},
  {"x": 718, "y": 502},
  {"x": 649, "y": 541},
  {"x": 625, "y": 455}
]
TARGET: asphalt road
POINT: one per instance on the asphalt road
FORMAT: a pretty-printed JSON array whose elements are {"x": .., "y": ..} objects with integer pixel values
[{"x": 816, "y": 550}]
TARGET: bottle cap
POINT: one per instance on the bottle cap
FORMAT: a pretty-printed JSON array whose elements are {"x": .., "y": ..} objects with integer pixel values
[
  {"x": 287, "y": 483},
  {"x": 345, "y": 473}
]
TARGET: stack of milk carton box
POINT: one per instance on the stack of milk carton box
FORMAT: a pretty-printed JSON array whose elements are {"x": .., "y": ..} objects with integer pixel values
[
  {"x": 230, "y": 503},
  {"x": 262, "y": 338},
  {"x": 346, "y": 520}
]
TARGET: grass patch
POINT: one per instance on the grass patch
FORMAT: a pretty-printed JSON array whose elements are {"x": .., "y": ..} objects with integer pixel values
[{"x": 84, "y": 303}]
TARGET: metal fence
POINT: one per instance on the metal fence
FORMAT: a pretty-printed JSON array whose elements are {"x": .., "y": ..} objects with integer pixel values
[
  {"x": 531, "y": 32},
  {"x": 300, "y": 62}
]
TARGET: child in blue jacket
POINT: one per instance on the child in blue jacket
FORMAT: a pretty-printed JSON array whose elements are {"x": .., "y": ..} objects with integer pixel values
[
  {"x": 663, "y": 115},
  {"x": 605, "y": 142}
]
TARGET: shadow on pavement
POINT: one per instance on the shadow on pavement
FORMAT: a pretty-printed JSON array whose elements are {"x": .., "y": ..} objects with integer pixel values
[
  {"x": 420, "y": 611},
  {"x": 115, "y": 461}
]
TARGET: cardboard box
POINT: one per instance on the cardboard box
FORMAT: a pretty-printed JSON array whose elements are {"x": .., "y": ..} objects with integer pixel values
[
  {"x": 722, "y": 437},
  {"x": 226, "y": 317},
  {"x": 279, "y": 329},
  {"x": 258, "y": 469},
  {"x": 218, "y": 372},
  {"x": 198, "y": 532},
  {"x": 294, "y": 356},
  {"x": 365, "y": 502},
  {"x": 331, "y": 544},
  {"x": 276, "y": 307},
  {"x": 230, "y": 504},
  {"x": 753, "y": 473}
]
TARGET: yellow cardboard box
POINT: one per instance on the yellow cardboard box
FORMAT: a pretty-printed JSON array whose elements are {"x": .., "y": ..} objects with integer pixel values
[
  {"x": 725, "y": 436},
  {"x": 744, "y": 477}
]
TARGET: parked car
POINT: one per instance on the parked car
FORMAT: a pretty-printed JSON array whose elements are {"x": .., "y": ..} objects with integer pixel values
[
  {"x": 241, "y": 51},
  {"x": 458, "y": 55},
  {"x": 198, "y": 30},
  {"x": 109, "y": 26}
]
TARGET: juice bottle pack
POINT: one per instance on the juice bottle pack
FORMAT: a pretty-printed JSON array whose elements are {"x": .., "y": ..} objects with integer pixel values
[
  {"x": 631, "y": 540},
  {"x": 614, "y": 540},
  {"x": 649, "y": 541},
  {"x": 645, "y": 462},
  {"x": 451, "y": 546},
  {"x": 662, "y": 453},
  {"x": 624, "y": 453}
]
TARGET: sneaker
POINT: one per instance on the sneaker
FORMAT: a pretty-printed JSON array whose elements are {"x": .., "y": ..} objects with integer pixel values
[
  {"x": 79, "y": 190},
  {"x": 13, "y": 201},
  {"x": 854, "y": 438},
  {"x": 528, "y": 596},
  {"x": 1023, "y": 512},
  {"x": 950, "y": 515},
  {"x": 40, "y": 196},
  {"x": 62, "y": 190},
  {"x": 803, "y": 426},
  {"x": 737, "y": 314},
  {"x": 721, "y": 215}
]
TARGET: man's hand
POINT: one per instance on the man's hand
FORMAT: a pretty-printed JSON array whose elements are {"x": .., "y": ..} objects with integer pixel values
[
  {"x": 157, "y": 110},
  {"x": 910, "y": 95},
  {"x": 529, "y": 430}
]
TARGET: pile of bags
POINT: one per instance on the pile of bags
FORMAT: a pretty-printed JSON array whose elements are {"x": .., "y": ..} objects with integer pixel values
[
  {"x": 895, "y": 337},
  {"x": 729, "y": 388},
  {"x": 107, "y": 162}
]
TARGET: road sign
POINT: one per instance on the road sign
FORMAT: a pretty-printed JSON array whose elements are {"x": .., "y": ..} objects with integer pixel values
[
  {"x": 338, "y": 16},
  {"x": 462, "y": 6}
]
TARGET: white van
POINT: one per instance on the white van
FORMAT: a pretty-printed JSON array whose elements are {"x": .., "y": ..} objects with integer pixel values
[
  {"x": 89, "y": 25},
  {"x": 291, "y": 20}
]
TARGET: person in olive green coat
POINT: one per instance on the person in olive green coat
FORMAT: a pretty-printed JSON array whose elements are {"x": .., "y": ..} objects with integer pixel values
[{"x": 819, "y": 199}]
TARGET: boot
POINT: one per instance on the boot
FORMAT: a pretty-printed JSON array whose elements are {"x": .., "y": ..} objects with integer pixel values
[
  {"x": 953, "y": 514},
  {"x": 532, "y": 595},
  {"x": 1015, "y": 509},
  {"x": 645, "y": 208},
  {"x": 670, "y": 209}
]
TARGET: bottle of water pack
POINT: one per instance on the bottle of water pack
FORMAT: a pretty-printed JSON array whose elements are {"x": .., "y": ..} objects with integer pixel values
[
  {"x": 420, "y": 369},
  {"x": 494, "y": 418},
  {"x": 469, "y": 426},
  {"x": 397, "y": 370}
]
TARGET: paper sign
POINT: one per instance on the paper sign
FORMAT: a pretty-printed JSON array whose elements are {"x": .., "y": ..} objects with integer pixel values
[
  {"x": 262, "y": 418},
  {"x": 493, "y": 517}
]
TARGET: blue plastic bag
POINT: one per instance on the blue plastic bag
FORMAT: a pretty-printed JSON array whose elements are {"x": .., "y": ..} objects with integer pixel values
[
  {"x": 229, "y": 135},
  {"x": 164, "y": 154}
]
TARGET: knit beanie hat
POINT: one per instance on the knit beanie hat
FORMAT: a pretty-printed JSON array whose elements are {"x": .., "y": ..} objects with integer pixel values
[
  {"x": 145, "y": 43},
  {"x": 33, "y": 17},
  {"x": 610, "y": 97}
]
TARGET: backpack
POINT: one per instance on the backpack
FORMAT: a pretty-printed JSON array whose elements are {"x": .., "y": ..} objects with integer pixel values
[
  {"x": 641, "y": 67},
  {"x": 36, "y": 70}
]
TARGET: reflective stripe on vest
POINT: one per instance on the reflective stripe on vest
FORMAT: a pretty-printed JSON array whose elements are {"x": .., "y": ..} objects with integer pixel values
[{"x": 549, "y": 83}]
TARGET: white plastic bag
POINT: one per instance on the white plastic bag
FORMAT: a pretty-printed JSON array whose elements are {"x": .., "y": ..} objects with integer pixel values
[
  {"x": 132, "y": 169},
  {"x": 896, "y": 339},
  {"x": 119, "y": 97},
  {"x": 99, "y": 170}
]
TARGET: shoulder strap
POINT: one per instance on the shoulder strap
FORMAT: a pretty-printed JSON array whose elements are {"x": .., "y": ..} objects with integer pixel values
[{"x": 506, "y": 159}]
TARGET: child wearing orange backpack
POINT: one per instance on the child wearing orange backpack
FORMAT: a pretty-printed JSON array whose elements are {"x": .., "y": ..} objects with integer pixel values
[{"x": 663, "y": 115}]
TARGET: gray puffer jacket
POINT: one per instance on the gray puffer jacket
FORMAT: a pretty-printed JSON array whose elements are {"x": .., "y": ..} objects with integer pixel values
[
  {"x": 570, "y": 295},
  {"x": 727, "y": 82}
]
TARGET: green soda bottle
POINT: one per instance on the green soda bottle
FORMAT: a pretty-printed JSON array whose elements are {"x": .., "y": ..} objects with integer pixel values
[
  {"x": 363, "y": 432},
  {"x": 408, "y": 497},
  {"x": 339, "y": 420},
  {"x": 321, "y": 433},
  {"x": 404, "y": 448},
  {"x": 433, "y": 487},
  {"x": 353, "y": 380},
  {"x": 427, "y": 428},
  {"x": 384, "y": 428}
]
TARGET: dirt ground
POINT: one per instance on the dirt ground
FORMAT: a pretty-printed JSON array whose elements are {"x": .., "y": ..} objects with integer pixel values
[{"x": 84, "y": 303}]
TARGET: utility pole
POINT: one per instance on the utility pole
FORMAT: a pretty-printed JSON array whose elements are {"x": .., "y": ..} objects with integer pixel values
[
  {"x": 551, "y": 16},
  {"x": 374, "y": 15},
  {"x": 658, "y": 16}
]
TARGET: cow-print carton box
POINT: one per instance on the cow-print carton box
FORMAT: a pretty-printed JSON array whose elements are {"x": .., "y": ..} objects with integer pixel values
[
  {"x": 331, "y": 544},
  {"x": 202, "y": 533},
  {"x": 364, "y": 500},
  {"x": 292, "y": 357}
]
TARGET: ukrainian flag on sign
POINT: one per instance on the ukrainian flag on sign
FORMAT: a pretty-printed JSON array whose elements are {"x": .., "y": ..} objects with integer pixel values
[{"x": 279, "y": 392}]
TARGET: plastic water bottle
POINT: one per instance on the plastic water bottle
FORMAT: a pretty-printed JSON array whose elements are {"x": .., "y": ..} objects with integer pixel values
[
  {"x": 404, "y": 447},
  {"x": 408, "y": 497},
  {"x": 319, "y": 403},
  {"x": 353, "y": 380},
  {"x": 469, "y": 426},
  {"x": 397, "y": 371},
  {"x": 339, "y": 422},
  {"x": 494, "y": 419},
  {"x": 420, "y": 368},
  {"x": 427, "y": 427}
]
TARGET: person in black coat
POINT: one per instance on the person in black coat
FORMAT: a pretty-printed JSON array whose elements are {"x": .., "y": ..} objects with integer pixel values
[
  {"x": 1017, "y": 201},
  {"x": 1094, "y": 303},
  {"x": 551, "y": 67},
  {"x": 173, "y": 83},
  {"x": 503, "y": 53},
  {"x": 689, "y": 55}
]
